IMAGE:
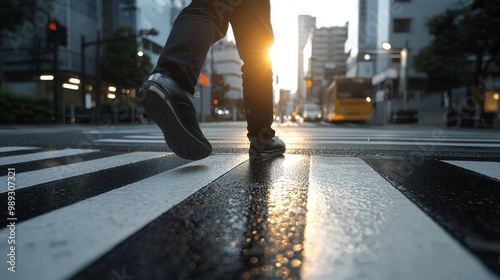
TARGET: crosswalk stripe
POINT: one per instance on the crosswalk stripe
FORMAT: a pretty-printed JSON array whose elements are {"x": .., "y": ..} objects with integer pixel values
[
  {"x": 144, "y": 141},
  {"x": 136, "y": 139},
  {"x": 16, "y": 148},
  {"x": 357, "y": 225},
  {"x": 416, "y": 143},
  {"x": 162, "y": 141},
  {"x": 44, "y": 155},
  {"x": 60, "y": 243},
  {"x": 491, "y": 169},
  {"x": 373, "y": 231},
  {"x": 28, "y": 179}
]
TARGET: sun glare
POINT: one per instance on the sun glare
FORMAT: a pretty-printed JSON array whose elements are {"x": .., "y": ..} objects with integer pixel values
[
  {"x": 272, "y": 53},
  {"x": 284, "y": 63}
]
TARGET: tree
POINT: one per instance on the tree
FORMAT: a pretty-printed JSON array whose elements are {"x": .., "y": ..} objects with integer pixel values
[
  {"x": 465, "y": 43},
  {"x": 219, "y": 89},
  {"x": 444, "y": 70},
  {"x": 120, "y": 63},
  {"x": 11, "y": 15}
]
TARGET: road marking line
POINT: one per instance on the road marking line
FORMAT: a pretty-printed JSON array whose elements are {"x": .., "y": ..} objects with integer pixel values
[
  {"x": 62, "y": 242},
  {"x": 291, "y": 140},
  {"x": 359, "y": 226},
  {"x": 16, "y": 148},
  {"x": 28, "y": 179},
  {"x": 44, "y": 155},
  {"x": 162, "y": 141},
  {"x": 491, "y": 169}
]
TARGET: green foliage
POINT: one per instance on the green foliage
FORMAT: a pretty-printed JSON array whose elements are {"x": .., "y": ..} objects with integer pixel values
[
  {"x": 25, "y": 109},
  {"x": 12, "y": 13},
  {"x": 466, "y": 42},
  {"x": 444, "y": 70},
  {"x": 120, "y": 63},
  {"x": 219, "y": 88}
]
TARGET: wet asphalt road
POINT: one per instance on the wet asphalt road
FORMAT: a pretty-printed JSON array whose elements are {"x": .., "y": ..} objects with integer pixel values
[{"x": 344, "y": 202}]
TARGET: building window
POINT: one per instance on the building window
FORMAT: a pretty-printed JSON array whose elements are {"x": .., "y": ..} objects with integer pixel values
[
  {"x": 401, "y": 25},
  {"x": 85, "y": 7}
]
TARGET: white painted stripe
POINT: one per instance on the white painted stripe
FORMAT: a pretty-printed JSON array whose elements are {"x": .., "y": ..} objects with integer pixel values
[
  {"x": 379, "y": 138},
  {"x": 121, "y": 131},
  {"x": 144, "y": 136},
  {"x": 16, "y": 148},
  {"x": 353, "y": 141},
  {"x": 491, "y": 169},
  {"x": 62, "y": 242},
  {"x": 161, "y": 137},
  {"x": 360, "y": 227},
  {"x": 162, "y": 141},
  {"x": 28, "y": 179},
  {"x": 150, "y": 141},
  {"x": 363, "y": 138},
  {"x": 416, "y": 143},
  {"x": 44, "y": 155}
]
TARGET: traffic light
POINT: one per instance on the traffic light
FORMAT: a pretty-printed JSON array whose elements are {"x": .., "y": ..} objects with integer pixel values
[
  {"x": 57, "y": 33},
  {"x": 52, "y": 31},
  {"x": 216, "y": 101},
  {"x": 63, "y": 35}
]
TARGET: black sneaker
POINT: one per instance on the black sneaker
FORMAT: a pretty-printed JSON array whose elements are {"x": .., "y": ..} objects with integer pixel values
[
  {"x": 269, "y": 148},
  {"x": 172, "y": 108}
]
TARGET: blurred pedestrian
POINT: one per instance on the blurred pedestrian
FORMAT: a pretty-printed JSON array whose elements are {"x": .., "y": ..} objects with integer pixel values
[{"x": 167, "y": 95}]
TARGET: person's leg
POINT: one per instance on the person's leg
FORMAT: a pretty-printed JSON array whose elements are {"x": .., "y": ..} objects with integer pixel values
[
  {"x": 167, "y": 95},
  {"x": 197, "y": 27},
  {"x": 251, "y": 23}
]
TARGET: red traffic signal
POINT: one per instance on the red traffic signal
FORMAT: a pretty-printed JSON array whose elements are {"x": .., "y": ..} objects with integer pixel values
[
  {"x": 52, "y": 26},
  {"x": 57, "y": 33}
]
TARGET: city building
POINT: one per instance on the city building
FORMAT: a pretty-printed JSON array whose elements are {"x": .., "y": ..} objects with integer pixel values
[
  {"x": 382, "y": 41},
  {"x": 327, "y": 59},
  {"x": 361, "y": 44},
  {"x": 402, "y": 24},
  {"x": 307, "y": 24},
  {"x": 27, "y": 56},
  {"x": 227, "y": 62}
]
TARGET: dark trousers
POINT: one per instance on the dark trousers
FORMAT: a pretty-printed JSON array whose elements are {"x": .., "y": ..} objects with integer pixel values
[{"x": 203, "y": 23}]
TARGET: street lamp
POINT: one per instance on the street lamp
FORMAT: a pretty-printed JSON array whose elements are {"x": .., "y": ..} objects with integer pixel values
[
  {"x": 386, "y": 46},
  {"x": 390, "y": 74},
  {"x": 403, "y": 69}
]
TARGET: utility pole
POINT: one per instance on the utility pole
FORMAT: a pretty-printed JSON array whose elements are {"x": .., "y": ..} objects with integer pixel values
[
  {"x": 98, "y": 77},
  {"x": 82, "y": 65},
  {"x": 59, "y": 111}
]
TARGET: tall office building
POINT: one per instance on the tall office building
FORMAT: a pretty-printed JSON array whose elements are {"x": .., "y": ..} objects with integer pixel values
[
  {"x": 361, "y": 43},
  {"x": 327, "y": 58},
  {"x": 307, "y": 24},
  {"x": 227, "y": 62},
  {"x": 27, "y": 59},
  {"x": 402, "y": 23}
]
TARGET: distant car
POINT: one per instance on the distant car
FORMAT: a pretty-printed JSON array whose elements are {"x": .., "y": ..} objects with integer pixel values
[{"x": 312, "y": 112}]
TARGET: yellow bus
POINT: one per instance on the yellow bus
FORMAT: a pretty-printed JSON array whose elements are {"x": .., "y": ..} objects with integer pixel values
[{"x": 348, "y": 100}]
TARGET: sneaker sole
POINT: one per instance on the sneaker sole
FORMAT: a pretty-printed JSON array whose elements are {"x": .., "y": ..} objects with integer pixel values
[
  {"x": 267, "y": 155},
  {"x": 179, "y": 139}
]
